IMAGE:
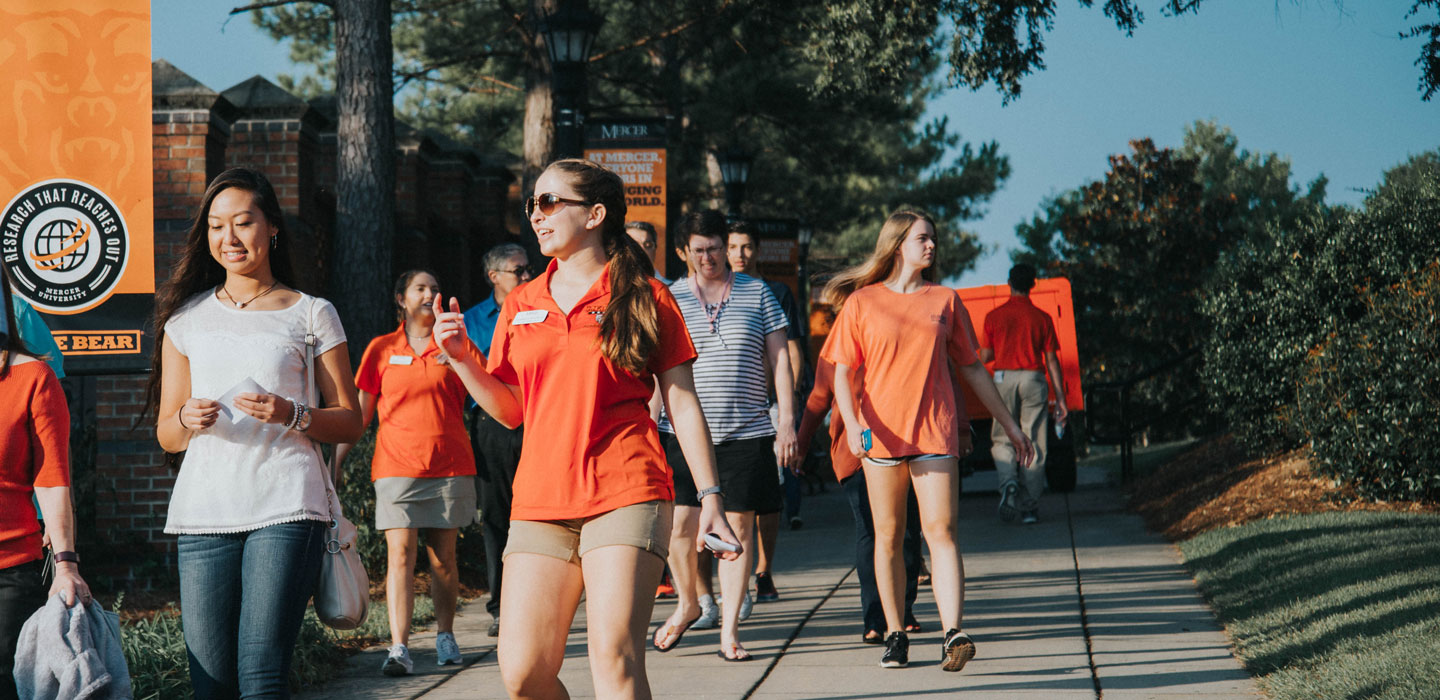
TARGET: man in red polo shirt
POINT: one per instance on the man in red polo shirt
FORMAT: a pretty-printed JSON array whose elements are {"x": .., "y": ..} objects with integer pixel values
[{"x": 1021, "y": 340}]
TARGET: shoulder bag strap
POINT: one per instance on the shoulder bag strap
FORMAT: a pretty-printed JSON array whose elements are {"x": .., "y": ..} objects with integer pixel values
[{"x": 311, "y": 342}]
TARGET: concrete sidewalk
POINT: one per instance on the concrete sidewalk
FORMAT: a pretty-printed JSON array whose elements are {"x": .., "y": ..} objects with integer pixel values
[{"x": 1084, "y": 603}]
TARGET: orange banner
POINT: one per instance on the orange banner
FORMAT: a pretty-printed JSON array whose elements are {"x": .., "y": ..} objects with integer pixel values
[
  {"x": 75, "y": 161},
  {"x": 636, "y": 150}
]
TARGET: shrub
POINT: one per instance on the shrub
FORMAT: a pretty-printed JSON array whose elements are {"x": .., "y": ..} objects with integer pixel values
[{"x": 1368, "y": 395}]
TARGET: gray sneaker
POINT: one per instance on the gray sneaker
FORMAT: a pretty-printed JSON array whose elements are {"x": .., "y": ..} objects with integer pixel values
[
  {"x": 1031, "y": 517},
  {"x": 1009, "y": 511},
  {"x": 709, "y": 616},
  {"x": 398, "y": 663},
  {"x": 747, "y": 605},
  {"x": 446, "y": 650}
]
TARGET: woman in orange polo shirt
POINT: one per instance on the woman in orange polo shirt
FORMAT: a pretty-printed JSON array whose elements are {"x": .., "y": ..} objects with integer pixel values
[
  {"x": 912, "y": 337},
  {"x": 576, "y": 356},
  {"x": 423, "y": 467},
  {"x": 34, "y": 458}
]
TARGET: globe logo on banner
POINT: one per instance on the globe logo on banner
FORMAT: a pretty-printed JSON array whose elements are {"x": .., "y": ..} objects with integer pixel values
[{"x": 64, "y": 244}]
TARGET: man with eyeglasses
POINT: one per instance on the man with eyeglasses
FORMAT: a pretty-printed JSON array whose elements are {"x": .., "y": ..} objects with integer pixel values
[{"x": 497, "y": 448}]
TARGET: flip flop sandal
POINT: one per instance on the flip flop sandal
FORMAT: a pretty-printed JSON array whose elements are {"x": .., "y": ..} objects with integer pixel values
[
  {"x": 678, "y": 636},
  {"x": 876, "y": 639},
  {"x": 747, "y": 657}
]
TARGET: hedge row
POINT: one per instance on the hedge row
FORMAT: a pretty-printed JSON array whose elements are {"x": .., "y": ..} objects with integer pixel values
[{"x": 1327, "y": 335}]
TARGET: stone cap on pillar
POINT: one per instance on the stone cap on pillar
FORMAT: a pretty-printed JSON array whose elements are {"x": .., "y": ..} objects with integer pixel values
[
  {"x": 260, "y": 99},
  {"x": 174, "y": 90}
]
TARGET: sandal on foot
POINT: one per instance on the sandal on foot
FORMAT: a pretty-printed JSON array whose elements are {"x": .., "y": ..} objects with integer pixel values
[
  {"x": 735, "y": 659},
  {"x": 872, "y": 637},
  {"x": 679, "y": 635}
]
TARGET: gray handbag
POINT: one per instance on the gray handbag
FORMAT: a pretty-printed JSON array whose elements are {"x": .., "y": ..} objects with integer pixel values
[{"x": 342, "y": 597}]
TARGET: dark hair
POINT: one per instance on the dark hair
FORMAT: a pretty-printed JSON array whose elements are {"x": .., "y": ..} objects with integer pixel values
[
  {"x": 404, "y": 282},
  {"x": 645, "y": 226},
  {"x": 1022, "y": 277},
  {"x": 197, "y": 272},
  {"x": 630, "y": 327},
  {"x": 745, "y": 228},
  {"x": 11, "y": 343},
  {"x": 708, "y": 224}
]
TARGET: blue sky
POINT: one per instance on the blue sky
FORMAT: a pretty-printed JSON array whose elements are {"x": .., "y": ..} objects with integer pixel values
[{"x": 1333, "y": 90}]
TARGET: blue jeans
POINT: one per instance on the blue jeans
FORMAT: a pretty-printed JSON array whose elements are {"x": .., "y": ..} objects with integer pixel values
[{"x": 242, "y": 599}]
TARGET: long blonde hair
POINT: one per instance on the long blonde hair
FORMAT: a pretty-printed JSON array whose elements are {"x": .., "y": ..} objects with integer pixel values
[{"x": 881, "y": 263}]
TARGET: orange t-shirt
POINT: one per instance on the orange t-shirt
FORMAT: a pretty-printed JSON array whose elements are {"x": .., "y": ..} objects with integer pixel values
[
  {"x": 34, "y": 451},
  {"x": 1019, "y": 334},
  {"x": 906, "y": 343},
  {"x": 419, "y": 401},
  {"x": 590, "y": 446},
  {"x": 822, "y": 400}
]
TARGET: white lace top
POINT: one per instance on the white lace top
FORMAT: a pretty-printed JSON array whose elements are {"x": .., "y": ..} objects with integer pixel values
[{"x": 243, "y": 475}]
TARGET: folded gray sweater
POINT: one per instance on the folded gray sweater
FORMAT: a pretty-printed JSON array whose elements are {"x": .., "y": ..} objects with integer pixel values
[{"x": 70, "y": 653}]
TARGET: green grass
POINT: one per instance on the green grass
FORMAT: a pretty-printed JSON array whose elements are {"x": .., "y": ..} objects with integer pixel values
[
  {"x": 159, "y": 669},
  {"x": 1333, "y": 605}
]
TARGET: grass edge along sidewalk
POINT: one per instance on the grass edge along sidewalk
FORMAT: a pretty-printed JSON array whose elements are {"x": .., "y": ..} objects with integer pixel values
[{"x": 1323, "y": 595}]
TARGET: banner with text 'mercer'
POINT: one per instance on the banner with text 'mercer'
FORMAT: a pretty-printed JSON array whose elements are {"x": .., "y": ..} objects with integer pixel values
[{"x": 76, "y": 231}]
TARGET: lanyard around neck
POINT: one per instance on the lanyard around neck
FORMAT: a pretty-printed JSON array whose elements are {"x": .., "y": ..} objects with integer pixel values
[{"x": 712, "y": 311}]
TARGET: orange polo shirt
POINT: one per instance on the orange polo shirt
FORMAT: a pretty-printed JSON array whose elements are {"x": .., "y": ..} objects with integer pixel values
[
  {"x": 590, "y": 446},
  {"x": 419, "y": 401},
  {"x": 906, "y": 343},
  {"x": 1019, "y": 334},
  {"x": 34, "y": 451}
]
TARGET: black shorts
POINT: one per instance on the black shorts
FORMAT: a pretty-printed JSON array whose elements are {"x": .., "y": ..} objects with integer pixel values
[{"x": 749, "y": 476}]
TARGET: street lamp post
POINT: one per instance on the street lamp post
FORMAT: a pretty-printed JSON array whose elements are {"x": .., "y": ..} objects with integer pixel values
[
  {"x": 734, "y": 172},
  {"x": 569, "y": 35}
]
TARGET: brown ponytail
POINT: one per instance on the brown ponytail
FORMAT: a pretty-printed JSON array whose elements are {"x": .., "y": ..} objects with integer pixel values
[{"x": 630, "y": 328}]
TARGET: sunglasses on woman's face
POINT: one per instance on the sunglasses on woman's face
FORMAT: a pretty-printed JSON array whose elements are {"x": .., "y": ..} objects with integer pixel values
[{"x": 547, "y": 203}]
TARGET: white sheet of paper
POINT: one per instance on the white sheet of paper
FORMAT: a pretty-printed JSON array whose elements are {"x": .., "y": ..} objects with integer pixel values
[{"x": 227, "y": 400}]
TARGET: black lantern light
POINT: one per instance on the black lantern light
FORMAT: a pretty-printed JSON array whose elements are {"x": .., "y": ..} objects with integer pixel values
[
  {"x": 569, "y": 33},
  {"x": 734, "y": 172}
]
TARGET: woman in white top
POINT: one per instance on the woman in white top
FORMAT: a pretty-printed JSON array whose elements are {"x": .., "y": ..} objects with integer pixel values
[{"x": 230, "y": 382}]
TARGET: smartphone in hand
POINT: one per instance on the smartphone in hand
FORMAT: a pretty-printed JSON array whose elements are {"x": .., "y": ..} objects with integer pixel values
[
  {"x": 717, "y": 545},
  {"x": 865, "y": 439}
]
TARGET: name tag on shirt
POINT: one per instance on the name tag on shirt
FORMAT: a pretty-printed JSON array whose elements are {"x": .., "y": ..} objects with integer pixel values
[
  {"x": 401, "y": 359},
  {"x": 527, "y": 317},
  {"x": 999, "y": 376}
]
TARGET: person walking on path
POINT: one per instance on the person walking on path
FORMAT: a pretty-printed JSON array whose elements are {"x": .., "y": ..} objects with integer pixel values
[
  {"x": 1021, "y": 340},
  {"x": 912, "y": 336},
  {"x": 739, "y": 332},
  {"x": 645, "y": 234},
  {"x": 742, "y": 252},
  {"x": 34, "y": 459},
  {"x": 251, "y": 500},
  {"x": 575, "y": 356},
  {"x": 848, "y": 472},
  {"x": 422, "y": 467},
  {"x": 497, "y": 448}
]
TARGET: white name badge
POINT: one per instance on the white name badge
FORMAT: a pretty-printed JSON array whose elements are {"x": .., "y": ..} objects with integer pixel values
[
  {"x": 999, "y": 376},
  {"x": 401, "y": 359},
  {"x": 527, "y": 317}
]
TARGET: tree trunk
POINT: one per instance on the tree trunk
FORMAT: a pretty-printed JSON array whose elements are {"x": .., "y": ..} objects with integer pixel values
[
  {"x": 539, "y": 104},
  {"x": 365, "y": 179}
]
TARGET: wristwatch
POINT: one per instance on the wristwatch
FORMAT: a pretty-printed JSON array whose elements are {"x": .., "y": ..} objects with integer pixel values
[
  {"x": 67, "y": 556},
  {"x": 700, "y": 496}
]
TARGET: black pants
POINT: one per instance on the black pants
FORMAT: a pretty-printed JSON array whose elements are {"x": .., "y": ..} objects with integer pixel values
[
  {"x": 871, "y": 612},
  {"x": 21, "y": 593},
  {"x": 497, "y": 454}
]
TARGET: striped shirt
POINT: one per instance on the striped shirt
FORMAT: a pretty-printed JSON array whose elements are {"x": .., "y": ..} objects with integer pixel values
[{"x": 730, "y": 369}]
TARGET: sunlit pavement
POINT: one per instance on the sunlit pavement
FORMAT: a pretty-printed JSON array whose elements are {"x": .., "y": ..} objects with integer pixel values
[{"x": 1084, "y": 602}]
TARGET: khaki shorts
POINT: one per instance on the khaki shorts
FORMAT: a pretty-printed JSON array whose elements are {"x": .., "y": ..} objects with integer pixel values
[{"x": 643, "y": 525}]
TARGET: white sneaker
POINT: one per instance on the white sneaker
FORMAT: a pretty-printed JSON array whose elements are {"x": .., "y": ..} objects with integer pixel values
[
  {"x": 709, "y": 614},
  {"x": 446, "y": 650},
  {"x": 398, "y": 663},
  {"x": 746, "y": 606}
]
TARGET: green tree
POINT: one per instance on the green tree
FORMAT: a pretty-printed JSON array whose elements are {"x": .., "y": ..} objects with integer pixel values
[
  {"x": 723, "y": 73},
  {"x": 1140, "y": 247}
]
